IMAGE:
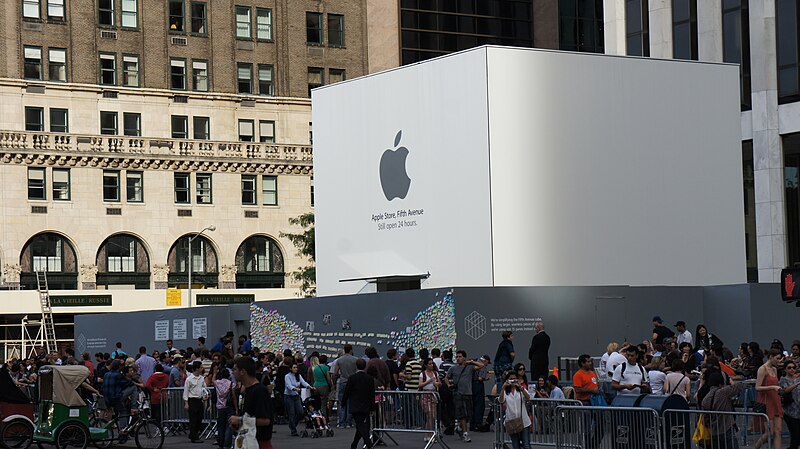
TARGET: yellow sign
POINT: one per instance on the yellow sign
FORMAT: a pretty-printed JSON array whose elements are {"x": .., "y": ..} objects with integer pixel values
[{"x": 173, "y": 297}]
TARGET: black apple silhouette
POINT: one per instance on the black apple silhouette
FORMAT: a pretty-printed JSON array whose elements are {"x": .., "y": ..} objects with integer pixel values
[{"x": 394, "y": 178}]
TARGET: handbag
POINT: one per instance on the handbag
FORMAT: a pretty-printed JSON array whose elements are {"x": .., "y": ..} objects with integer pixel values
[
  {"x": 702, "y": 433},
  {"x": 786, "y": 399},
  {"x": 598, "y": 400},
  {"x": 514, "y": 426},
  {"x": 759, "y": 407}
]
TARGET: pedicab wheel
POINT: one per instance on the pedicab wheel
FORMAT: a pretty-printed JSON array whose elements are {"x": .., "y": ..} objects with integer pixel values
[
  {"x": 149, "y": 436},
  {"x": 72, "y": 435},
  {"x": 17, "y": 434},
  {"x": 304, "y": 434},
  {"x": 110, "y": 438},
  {"x": 330, "y": 432}
]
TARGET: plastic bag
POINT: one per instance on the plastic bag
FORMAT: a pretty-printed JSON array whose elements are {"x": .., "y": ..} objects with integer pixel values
[
  {"x": 246, "y": 437},
  {"x": 701, "y": 433}
]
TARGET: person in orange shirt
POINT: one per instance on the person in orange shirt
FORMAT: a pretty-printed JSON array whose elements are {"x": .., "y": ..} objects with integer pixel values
[{"x": 586, "y": 384}]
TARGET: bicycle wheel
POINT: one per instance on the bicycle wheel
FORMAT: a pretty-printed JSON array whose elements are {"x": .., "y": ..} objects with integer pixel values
[
  {"x": 110, "y": 428},
  {"x": 16, "y": 434},
  {"x": 149, "y": 435}
]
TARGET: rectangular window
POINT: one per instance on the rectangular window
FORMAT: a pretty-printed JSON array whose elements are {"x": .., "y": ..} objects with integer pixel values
[
  {"x": 55, "y": 9},
  {"x": 266, "y": 131},
  {"x": 201, "y": 128},
  {"x": 246, "y": 131},
  {"x": 30, "y": 9},
  {"x": 684, "y": 29},
  {"x": 314, "y": 28},
  {"x": 243, "y": 22},
  {"x": 637, "y": 14},
  {"x": 61, "y": 187},
  {"x": 34, "y": 119},
  {"x": 248, "y": 190},
  {"x": 108, "y": 69},
  {"x": 736, "y": 43},
  {"x": 57, "y": 60},
  {"x": 182, "y": 189},
  {"x": 130, "y": 70},
  {"x": 264, "y": 24},
  {"x": 132, "y": 124},
  {"x": 581, "y": 25},
  {"x": 36, "y": 184},
  {"x": 108, "y": 123},
  {"x": 335, "y": 75},
  {"x": 59, "y": 120},
  {"x": 200, "y": 76},
  {"x": 265, "y": 86},
  {"x": 111, "y": 185},
  {"x": 199, "y": 20},
  {"x": 177, "y": 74},
  {"x": 315, "y": 78},
  {"x": 176, "y": 15},
  {"x": 269, "y": 190},
  {"x": 33, "y": 63},
  {"x": 130, "y": 13},
  {"x": 121, "y": 255},
  {"x": 203, "y": 188},
  {"x": 180, "y": 127},
  {"x": 335, "y": 30},
  {"x": 134, "y": 186},
  {"x": 244, "y": 78},
  {"x": 786, "y": 29},
  {"x": 105, "y": 11}
]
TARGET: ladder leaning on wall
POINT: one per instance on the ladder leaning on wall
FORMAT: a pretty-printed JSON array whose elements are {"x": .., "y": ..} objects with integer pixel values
[{"x": 46, "y": 337}]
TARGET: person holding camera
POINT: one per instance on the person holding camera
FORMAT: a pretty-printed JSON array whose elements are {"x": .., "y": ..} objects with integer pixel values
[
  {"x": 459, "y": 379},
  {"x": 517, "y": 422}
]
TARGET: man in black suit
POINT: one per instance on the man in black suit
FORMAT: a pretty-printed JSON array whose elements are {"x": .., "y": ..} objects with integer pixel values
[
  {"x": 540, "y": 346},
  {"x": 360, "y": 392}
]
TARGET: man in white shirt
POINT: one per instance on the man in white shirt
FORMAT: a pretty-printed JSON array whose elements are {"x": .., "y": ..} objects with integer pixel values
[
  {"x": 193, "y": 395},
  {"x": 630, "y": 377},
  {"x": 683, "y": 334},
  {"x": 615, "y": 359}
]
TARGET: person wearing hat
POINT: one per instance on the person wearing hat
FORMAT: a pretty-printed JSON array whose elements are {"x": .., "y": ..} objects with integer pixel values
[
  {"x": 479, "y": 378},
  {"x": 683, "y": 334},
  {"x": 660, "y": 332}
]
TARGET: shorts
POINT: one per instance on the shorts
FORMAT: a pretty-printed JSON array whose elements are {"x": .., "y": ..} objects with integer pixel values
[{"x": 463, "y": 405}]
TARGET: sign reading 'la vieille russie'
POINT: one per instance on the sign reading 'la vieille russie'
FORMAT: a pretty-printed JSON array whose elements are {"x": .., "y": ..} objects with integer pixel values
[
  {"x": 80, "y": 300},
  {"x": 210, "y": 300}
]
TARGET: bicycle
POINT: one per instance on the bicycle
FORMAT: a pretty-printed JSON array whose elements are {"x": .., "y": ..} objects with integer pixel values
[{"x": 146, "y": 431}]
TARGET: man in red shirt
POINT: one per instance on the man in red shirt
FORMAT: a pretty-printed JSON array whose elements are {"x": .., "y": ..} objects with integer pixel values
[
  {"x": 585, "y": 383},
  {"x": 88, "y": 363},
  {"x": 155, "y": 385}
]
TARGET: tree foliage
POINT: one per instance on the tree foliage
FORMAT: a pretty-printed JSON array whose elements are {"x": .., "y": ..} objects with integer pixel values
[{"x": 304, "y": 242}]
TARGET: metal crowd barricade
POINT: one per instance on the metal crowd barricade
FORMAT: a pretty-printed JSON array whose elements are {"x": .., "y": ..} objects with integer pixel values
[
  {"x": 544, "y": 413},
  {"x": 608, "y": 428},
  {"x": 408, "y": 412},
  {"x": 679, "y": 427},
  {"x": 175, "y": 418}
]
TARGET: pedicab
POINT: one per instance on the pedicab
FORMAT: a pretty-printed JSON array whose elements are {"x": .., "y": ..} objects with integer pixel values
[
  {"x": 16, "y": 414},
  {"x": 63, "y": 417}
]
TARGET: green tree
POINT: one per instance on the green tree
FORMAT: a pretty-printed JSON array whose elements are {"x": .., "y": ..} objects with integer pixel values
[{"x": 304, "y": 242}]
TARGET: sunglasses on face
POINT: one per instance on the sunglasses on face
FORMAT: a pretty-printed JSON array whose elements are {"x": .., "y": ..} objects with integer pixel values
[{"x": 790, "y": 367}]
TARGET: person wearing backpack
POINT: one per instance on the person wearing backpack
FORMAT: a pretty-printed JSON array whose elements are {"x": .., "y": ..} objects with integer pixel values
[{"x": 629, "y": 377}]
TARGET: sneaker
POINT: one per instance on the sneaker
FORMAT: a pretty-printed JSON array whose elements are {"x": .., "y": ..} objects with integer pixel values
[{"x": 465, "y": 437}]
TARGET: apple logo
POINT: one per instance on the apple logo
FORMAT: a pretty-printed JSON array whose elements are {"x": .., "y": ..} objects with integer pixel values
[{"x": 394, "y": 179}]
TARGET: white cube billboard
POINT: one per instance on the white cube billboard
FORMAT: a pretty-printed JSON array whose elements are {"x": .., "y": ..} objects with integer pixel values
[{"x": 503, "y": 166}]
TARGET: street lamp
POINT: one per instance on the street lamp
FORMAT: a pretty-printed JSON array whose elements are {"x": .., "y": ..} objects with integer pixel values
[{"x": 211, "y": 228}]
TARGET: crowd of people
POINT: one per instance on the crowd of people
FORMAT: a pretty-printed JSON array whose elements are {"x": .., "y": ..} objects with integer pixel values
[{"x": 240, "y": 379}]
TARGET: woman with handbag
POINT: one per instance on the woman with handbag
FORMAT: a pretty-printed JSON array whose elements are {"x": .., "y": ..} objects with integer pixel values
[
  {"x": 791, "y": 402},
  {"x": 767, "y": 389},
  {"x": 516, "y": 422}
]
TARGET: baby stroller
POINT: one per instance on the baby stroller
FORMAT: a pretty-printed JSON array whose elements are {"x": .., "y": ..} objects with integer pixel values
[{"x": 316, "y": 423}]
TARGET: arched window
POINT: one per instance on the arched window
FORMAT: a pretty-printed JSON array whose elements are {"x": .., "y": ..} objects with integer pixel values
[
  {"x": 259, "y": 264},
  {"x": 205, "y": 269},
  {"x": 122, "y": 260},
  {"x": 51, "y": 253}
]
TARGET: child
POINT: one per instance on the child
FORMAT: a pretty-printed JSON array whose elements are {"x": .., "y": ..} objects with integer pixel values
[{"x": 320, "y": 422}]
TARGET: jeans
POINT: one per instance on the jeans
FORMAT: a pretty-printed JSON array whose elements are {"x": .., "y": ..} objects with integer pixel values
[
  {"x": 344, "y": 410},
  {"x": 224, "y": 431},
  {"x": 521, "y": 440},
  {"x": 793, "y": 424},
  {"x": 294, "y": 411}
]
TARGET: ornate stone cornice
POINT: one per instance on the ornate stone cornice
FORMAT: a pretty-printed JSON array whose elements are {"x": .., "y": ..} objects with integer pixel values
[{"x": 69, "y": 150}]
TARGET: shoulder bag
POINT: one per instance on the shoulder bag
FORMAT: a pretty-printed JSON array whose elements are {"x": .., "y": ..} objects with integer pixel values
[{"x": 515, "y": 426}]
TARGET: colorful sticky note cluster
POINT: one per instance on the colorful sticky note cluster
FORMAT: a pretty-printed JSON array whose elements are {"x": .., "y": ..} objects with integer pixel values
[
  {"x": 271, "y": 331},
  {"x": 434, "y": 327}
]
